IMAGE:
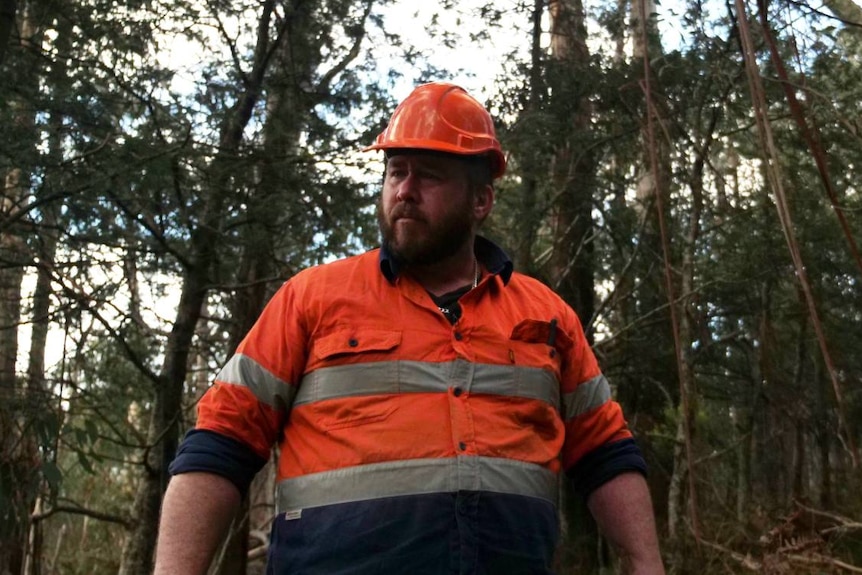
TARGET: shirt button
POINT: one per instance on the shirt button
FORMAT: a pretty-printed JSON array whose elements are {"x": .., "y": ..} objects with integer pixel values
[
  {"x": 458, "y": 336},
  {"x": 352, "y": 342},
  {"x": 462, "y": 446},
  {"x": 457, "y": 391}
]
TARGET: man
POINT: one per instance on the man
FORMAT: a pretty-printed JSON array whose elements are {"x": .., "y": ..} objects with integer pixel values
[{"x": 424, "y": 397}]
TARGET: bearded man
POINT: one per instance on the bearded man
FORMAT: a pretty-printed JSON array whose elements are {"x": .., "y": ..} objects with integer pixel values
[{"x": 426, "y": 399}]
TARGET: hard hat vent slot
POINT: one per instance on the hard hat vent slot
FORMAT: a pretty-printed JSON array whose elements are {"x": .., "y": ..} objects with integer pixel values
[{"x": 465, "y": 142}]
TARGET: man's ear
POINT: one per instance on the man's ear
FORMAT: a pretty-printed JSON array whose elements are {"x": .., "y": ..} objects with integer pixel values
[{"x": 483, "y": 202}]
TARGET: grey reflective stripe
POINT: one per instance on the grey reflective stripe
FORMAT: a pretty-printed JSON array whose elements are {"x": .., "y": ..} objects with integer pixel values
[
  {"x": 417, "y": 477},
  {"x": 586, "y": 397},
  {"x": 424, "y": 377},
  {"x": 266, "y": 387}
]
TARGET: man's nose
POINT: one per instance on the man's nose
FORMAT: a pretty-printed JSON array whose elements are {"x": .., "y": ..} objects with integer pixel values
[{"x": 407, "y": 188}]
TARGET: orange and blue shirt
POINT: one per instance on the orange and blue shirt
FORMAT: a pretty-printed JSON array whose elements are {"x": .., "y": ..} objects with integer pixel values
[{"x": 407, "y": 443}]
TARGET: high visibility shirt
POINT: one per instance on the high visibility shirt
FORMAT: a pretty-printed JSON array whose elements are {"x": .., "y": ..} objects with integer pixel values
[{"x": 408, "y": 444}]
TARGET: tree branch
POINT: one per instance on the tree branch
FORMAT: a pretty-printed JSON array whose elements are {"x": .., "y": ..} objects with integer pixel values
[
  {"x": 323, "y": 85},
  {"x": 77, "y": 510}
]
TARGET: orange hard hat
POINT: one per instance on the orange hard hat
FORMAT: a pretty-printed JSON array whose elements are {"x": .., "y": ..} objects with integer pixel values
[{"x": 443, "y": 117}]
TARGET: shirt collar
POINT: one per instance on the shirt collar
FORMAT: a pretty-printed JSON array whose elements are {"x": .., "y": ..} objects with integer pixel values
[{"x": 490, "y": 255}]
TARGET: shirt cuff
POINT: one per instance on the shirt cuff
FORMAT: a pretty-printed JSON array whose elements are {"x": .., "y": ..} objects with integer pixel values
[
  {"x": 604, "y": 463},
  {"x": 211, "y": 452}
]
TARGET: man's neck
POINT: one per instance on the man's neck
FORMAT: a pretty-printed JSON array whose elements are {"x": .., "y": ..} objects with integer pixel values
[{"x": 449, "y": 274}]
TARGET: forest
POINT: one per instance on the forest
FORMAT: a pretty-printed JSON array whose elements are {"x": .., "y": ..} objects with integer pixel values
[{"x": 686, "y": 175}]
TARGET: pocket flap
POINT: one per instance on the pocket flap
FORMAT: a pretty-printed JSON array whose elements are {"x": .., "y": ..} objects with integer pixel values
[
  {"x": 349, "y": 341},
  {"x": 540, "y": 331}
]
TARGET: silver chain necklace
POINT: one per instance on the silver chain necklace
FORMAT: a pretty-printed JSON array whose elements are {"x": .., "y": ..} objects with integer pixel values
[{"x": 446, "y": 310}]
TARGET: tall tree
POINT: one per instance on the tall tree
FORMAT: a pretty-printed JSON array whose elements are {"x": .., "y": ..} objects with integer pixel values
[
  {"x": 571, "y": 174},
  {"x": 573, "y": 166},
  {"x": 163, "y": 432},
  {"x": 278, "y": 201},
  {"x": 19, "y": 463}
]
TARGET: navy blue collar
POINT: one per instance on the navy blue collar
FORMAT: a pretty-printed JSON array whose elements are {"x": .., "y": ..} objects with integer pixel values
[{"x": 490, "y": 255}]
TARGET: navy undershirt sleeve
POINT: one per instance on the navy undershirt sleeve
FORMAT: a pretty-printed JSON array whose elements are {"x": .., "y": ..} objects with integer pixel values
[
  {"x": 208, "y": 451},
  {"x": 604, "y": 463}
]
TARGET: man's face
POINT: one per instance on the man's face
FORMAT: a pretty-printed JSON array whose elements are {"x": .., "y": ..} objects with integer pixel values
[{"x": 426, "y": 208}]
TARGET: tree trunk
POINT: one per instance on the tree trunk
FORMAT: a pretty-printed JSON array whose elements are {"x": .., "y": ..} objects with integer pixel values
[
  {"x": 824, "y": 436},
  {"x": 533, "y": 163},
  {"x": 39, "y": 396},
  {"x": 676, "y": 490},
  {"x": 573, "y": 168},
  {"x": 163, "y": 434},
  {"x": 744, "y": 439},
  {"x": 572, "y": 181},
  {"x": 273, "y": 204},
  {"x": 688, "y": 330},
  {"x": 19, "y": 458},
  {"x": 801, "y": 414}
]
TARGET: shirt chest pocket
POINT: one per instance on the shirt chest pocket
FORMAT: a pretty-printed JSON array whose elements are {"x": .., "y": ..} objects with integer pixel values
[
  {"x": 355, "y": 378},
  {"x": 356, "y": 345},
  {"x": 539, "y": 343}
]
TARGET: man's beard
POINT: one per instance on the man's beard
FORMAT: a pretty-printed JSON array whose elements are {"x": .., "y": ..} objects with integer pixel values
[{"x": 439, "y": 241}]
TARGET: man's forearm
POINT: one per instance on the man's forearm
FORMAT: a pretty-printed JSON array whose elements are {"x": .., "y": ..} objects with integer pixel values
[
  {"x": 196, "y": 513},
  {"x": 623, "y": 510}
]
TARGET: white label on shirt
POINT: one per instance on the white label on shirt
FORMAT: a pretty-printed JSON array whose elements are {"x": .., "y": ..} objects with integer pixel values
[{"x": 291, "y": 515}]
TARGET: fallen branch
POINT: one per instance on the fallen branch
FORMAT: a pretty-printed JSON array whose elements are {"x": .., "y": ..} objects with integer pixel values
[
  {"x": 745, "y": 560},
  {"x": 816, "y": 559},
  {"x": 843, "y": 523}
]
